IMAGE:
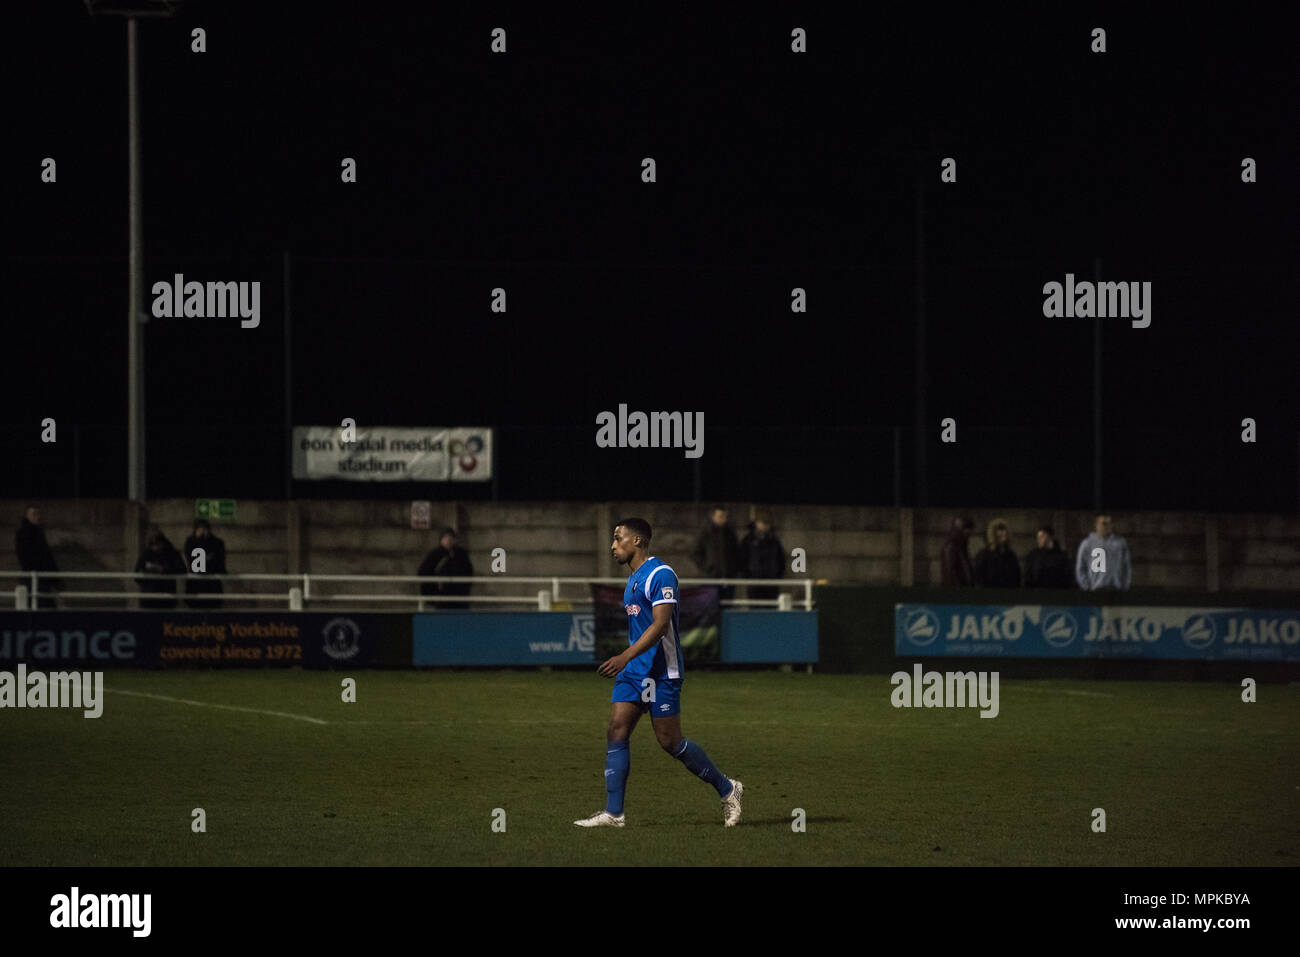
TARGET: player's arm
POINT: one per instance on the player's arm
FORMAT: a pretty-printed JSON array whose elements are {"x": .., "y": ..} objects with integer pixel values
[{"x": 663, "y": 615}]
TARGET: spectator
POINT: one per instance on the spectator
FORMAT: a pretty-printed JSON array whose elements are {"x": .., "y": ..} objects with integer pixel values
[
  {"x": 158, "y": 558},
  {"x": 954, "y": 560},
  {"x": 997, "y": 566},
  {"x": 1114, "y": 570},
  {"x": 447, "y": 559},
  {"x": 34, "y": 554},
  {"x": 214, "y": 550},
  {"x": 1047, "y": 566},
  {"x": 762, "y": 556},
  {"x": 717, "y": 552}
]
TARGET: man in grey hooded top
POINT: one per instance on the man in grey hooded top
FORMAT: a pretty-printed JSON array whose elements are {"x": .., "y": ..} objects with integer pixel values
[{"x": 1112, "y": 569}]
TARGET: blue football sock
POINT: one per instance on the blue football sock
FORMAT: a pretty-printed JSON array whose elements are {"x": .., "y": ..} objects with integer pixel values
[
  {"x": 618, "y": 761},
  {"x": 698, "y": 763}
]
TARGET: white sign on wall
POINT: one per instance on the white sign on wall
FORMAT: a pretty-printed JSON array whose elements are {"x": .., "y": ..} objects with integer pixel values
[{"x": 391, "y": 454}]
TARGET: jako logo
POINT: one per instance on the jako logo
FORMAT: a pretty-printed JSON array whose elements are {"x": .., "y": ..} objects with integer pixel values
[
  {"x": 921, "y": 627},
  {"x": 102, "y": 910},
  {"x": 1198, "y": 631},
  {"x": 669, "y": 430},
  {"x": 1059, "y": 628},
  {"x": 215, "y": 300}
]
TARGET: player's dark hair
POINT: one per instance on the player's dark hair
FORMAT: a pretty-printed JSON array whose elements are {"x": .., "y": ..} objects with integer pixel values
[{"x": 638, "y": 526}]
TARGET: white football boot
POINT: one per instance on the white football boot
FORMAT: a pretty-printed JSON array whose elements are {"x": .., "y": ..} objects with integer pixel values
[
  {"x": 731, "y": 804},
  {"x": 604, "y": 819}
]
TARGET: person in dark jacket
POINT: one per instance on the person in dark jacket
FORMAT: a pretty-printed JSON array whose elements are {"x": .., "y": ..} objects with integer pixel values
[
  {"x": 997, "y": 566},
  {"x": 214, "y": 558},
  {"x": 762, "y": 556},
  {"x": 954, "y": 558},
  {"x": 717, "y": 551},
  {"x": 158, "y": 558},
  {"x": 1047, "y": 566},
  {"x": 447, "y": 559},
  {"x": 34, "y": 554}
]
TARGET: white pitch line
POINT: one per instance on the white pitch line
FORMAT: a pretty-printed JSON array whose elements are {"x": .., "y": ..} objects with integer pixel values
[
  {"x": 1084, "y": 694},
  {"x": 578, "y": 722},
  {"x": 225, "y": 707},
  {"x": 529, "y": 721}
]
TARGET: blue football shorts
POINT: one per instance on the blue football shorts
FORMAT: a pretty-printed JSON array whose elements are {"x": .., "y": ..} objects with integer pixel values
[{"x": 665, "y": 694}]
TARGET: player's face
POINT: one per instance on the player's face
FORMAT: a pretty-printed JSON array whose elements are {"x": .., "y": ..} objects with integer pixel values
[
  {"x": 624, "y": 545},
  {"x": 1043, "y": 540},
  {"x": 1104, "y": 526}
]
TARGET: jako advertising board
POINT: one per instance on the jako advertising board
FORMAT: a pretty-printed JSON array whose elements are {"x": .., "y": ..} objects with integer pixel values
[{"x": 1091, "y": 631}]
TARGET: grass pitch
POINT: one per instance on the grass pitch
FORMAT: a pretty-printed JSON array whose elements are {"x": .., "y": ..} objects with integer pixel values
[{"x": 411, "y": 773}]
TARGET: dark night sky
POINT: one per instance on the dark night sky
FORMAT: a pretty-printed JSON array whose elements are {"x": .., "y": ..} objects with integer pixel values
[{"x": 775, "y": 170}]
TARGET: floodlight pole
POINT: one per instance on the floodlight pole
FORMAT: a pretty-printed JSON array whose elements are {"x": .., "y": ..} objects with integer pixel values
[
  {"x": 135, "y": 445},
  {"x": 920, "y": 375},
  {"x": 1097, "y": 505}
]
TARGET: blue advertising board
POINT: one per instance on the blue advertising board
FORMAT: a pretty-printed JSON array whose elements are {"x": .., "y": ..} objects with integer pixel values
[
  {"x": 1097, "y": 631},
  {"x": 503, "y": 638},
  {"x": 769, "y": 637}
]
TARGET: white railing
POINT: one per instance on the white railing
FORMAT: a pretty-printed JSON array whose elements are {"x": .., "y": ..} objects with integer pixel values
[{"x": 299, "y": 593}]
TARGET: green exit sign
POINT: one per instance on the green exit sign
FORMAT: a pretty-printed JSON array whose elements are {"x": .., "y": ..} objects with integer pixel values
[{"x": 214, "y": 508}]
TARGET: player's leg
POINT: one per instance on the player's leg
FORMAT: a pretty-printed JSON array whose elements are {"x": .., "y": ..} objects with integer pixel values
[
  {"x": 623, "y": 717},
  {"x": 666, "y": 716},
  {"x": 668, "y": 731}
]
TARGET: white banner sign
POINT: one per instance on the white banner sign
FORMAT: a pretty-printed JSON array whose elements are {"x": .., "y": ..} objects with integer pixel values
[{"x": 390, "y": 454}]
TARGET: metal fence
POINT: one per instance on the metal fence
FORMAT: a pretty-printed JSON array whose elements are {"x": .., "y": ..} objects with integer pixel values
[{"x": 33, "y": 591}]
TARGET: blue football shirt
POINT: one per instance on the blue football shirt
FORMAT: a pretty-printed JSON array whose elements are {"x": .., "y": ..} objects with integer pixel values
[{"x": 653, "y": 583}]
